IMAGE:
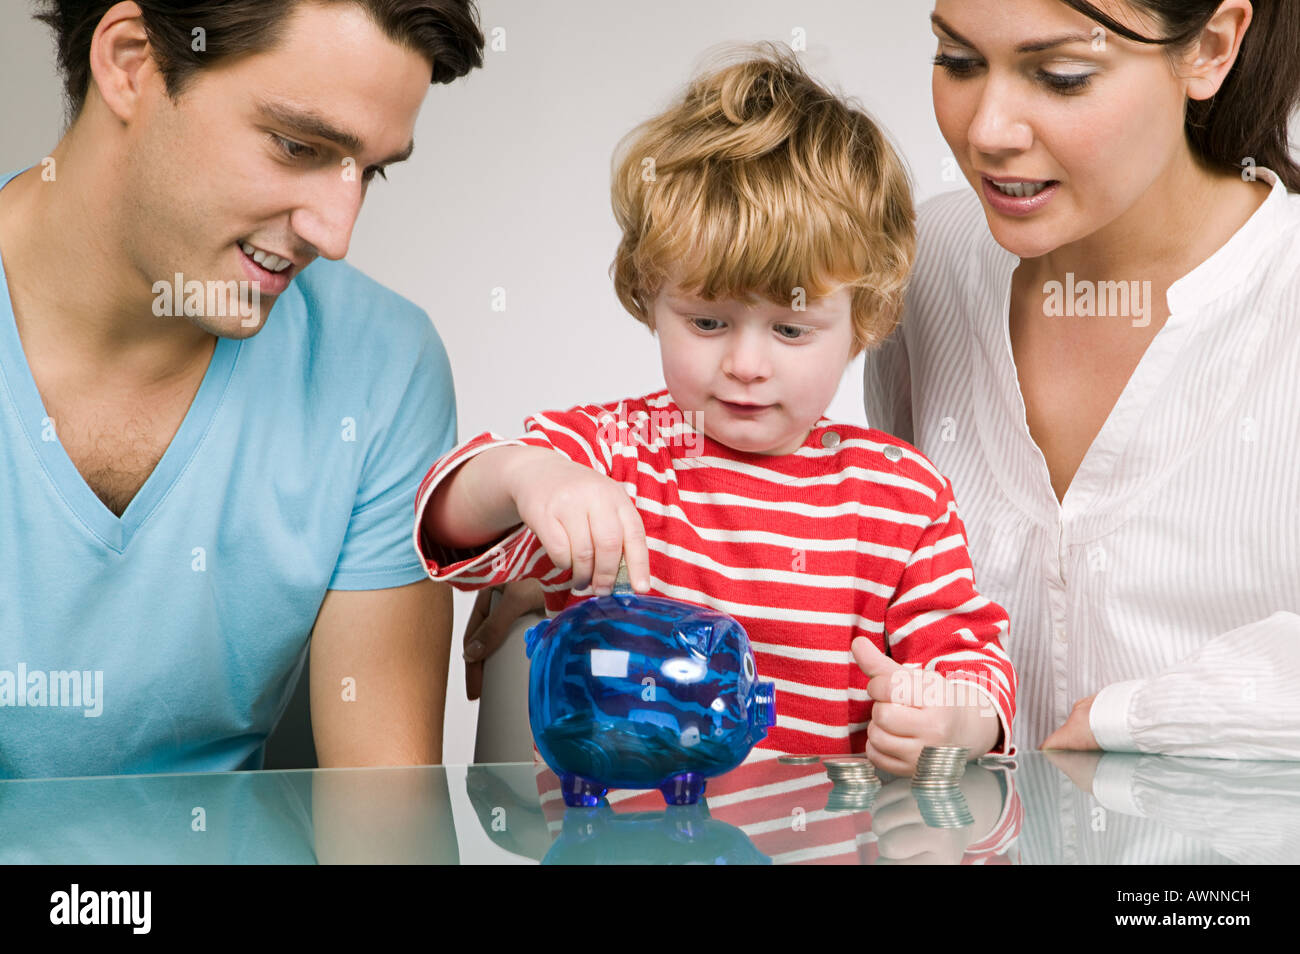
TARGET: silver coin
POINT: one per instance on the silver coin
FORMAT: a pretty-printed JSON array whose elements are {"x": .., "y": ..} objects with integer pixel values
[{"x": 797, "y": 759}]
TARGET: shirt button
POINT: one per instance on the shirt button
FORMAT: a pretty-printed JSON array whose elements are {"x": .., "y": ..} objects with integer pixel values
[
  {"x": 830, "y": 439},
  {"x": 894, "y": 454}
]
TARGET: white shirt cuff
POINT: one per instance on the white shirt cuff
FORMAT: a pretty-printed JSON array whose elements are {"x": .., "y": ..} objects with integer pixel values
[
  {"x": 1108, "y": 718},
  {"x": 1112, "y": 783}
]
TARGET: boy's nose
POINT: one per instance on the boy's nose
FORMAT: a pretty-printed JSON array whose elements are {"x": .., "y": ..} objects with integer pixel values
[{"x": 746, "y": 359}]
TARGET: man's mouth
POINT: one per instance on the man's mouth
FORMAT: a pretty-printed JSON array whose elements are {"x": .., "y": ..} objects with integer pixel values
[{"x": 268, "y": 260}]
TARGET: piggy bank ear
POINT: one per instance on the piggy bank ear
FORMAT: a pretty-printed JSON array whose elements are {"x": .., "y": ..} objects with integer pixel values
[
  {"x": 534, "y": 636},
  {"x": 696, "y": 632}
]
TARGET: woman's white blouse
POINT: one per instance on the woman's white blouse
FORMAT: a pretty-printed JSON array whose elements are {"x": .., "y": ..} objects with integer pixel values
[{"x": 1168, "y": 579}]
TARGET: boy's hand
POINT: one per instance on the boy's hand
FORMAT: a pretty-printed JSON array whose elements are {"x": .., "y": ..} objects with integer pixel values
[
  {"x": 585, "y": 520},
  {"x": 902, "y": 723}
]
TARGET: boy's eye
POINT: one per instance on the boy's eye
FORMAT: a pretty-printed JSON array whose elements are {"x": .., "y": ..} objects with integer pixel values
[
  {"x": 794, "y": 331},
  {"x": 701, "y": 322}
]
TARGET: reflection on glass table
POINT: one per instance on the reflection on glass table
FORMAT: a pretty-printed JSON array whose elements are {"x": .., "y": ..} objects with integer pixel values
[{"x": 1089, "y": 808}]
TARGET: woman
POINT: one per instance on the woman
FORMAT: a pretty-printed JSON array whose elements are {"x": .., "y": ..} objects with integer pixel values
[{"x": 1101, "y": 350}]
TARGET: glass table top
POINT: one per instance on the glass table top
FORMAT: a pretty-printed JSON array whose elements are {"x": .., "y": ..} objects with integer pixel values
[{"x": 1040, "y": 808}]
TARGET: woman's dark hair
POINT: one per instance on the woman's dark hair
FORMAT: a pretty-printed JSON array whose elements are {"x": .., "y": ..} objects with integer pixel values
[
  {"x": 445, "y": 31},
  {"x": 1249, "y": 118}
]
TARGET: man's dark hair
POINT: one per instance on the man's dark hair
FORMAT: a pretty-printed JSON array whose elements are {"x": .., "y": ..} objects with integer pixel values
[{"x": 445, "y": 31}]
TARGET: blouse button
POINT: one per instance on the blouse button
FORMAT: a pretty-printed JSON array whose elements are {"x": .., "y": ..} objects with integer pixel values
[
  {"x": 894, "y": 454},
  {"x": 830, "y": 439}
]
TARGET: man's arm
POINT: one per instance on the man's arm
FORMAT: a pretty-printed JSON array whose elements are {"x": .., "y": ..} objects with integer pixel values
[{"x": 379, "y": 663}]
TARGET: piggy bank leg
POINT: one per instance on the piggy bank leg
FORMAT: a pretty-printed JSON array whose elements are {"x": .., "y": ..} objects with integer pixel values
[
  {"x": 683, "y": 789},
  {"x": 579, "y": 792}
]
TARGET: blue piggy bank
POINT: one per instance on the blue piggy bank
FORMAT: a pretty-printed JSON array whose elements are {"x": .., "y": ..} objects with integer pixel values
[{"x": 632, "y": 691}]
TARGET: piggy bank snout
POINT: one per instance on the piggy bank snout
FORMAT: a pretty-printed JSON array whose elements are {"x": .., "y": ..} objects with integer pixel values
[{"x": 762, "y": 710}]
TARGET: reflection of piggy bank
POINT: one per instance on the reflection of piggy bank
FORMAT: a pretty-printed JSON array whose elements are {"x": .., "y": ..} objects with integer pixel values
[
  {"x": 631, "y": 691},
  {"x": 675, "y": 836}
]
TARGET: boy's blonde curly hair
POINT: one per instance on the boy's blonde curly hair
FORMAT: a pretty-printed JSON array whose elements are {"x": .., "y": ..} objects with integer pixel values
[{"x": 759, "y": 181}]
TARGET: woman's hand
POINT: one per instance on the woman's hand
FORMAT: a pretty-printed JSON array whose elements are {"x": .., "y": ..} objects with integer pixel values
[
  {"x": 585, "y": 520},
  {"x": 913, "y": 708},
  {"x": 490, "y": 626},
  {"x": 1076, "y": 733}
]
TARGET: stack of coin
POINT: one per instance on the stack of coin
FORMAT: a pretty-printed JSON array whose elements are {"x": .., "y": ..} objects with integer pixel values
[
  {"x": 847, "y": 771},
  {"x": 798, "y": 759},
  {"x": 943, "y": 808},
  {"x": 940, "y": 768},
  {"x": 936, "y": 786}
]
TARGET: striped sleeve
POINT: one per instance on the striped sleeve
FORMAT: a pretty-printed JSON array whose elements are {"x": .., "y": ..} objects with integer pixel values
[
  {"x": 579, "y": 434},
  {"x": 938, "y": 618}
]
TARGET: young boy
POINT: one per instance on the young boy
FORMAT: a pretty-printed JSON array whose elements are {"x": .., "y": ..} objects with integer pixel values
[{"x": 767, "y": 236}]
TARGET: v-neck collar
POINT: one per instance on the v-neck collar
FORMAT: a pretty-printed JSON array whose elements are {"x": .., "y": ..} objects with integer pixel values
[
  {"x": 1020, "y": 466},
  {"x": 113, "y": 531}
]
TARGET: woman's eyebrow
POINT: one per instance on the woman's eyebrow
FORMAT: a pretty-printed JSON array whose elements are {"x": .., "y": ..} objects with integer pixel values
[{"x": 1033, "y": 46}]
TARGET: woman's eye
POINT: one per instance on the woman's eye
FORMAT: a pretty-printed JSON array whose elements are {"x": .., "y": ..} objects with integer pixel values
[
  {"x": 959, "y": 66},
  {"x": 1065, "y": 82},
  {"x": 294, "y": 150}
]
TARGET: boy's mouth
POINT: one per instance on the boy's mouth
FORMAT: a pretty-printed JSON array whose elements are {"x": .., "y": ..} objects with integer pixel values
[{"x": 745, "y": 409}]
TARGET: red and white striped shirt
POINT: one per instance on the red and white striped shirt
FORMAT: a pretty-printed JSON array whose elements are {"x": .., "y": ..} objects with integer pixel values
[{"x": 853, "y": 534}]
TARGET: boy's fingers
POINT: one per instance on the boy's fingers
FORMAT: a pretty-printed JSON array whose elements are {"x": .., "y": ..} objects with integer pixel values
[
  {"x": 871, "y": 660},
  {"x": 904, "y": 751},
  {"x": 901, "y": 721},
  {"x": 635, "y": 549},
  {"x": 607, "y": 541},
  {"x": 554, "y": 538},
  {"x": 887, "y": 762},
  {"x": 582, "y": 555}
]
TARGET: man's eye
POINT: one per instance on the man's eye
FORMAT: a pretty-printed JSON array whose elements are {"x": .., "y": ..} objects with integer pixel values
[
  {"x": 294, "y": 150},
  {"x": 374, "y": 171}
]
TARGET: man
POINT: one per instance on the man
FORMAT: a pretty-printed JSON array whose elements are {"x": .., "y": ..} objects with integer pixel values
[{"x": 208, "y": 450}]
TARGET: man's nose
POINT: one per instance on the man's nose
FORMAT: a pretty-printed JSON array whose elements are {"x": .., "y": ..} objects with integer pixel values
[
  {"x": 328, "y": 213},
  {"x": 1001, "y": 122}
]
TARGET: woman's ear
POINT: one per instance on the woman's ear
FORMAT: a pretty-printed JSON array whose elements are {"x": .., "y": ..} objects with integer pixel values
[{"x": 1209, "y": 60}]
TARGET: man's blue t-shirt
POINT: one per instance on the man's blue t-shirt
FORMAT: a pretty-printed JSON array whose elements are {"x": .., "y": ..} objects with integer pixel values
[{"x": 169, "y": 640}]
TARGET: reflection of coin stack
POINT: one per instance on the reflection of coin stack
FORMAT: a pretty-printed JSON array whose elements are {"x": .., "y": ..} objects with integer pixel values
[
  {"x": 853, "y": 784},
  {"x": 935, "y": 785}
]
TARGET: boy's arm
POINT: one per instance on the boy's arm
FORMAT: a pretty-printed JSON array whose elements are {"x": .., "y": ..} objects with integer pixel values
[
  {"x": 939, "y": 620},
  {"x": 467, "y": 529},
  {"x": 472, "y": 503}
]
